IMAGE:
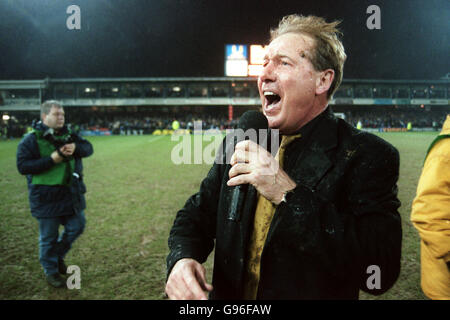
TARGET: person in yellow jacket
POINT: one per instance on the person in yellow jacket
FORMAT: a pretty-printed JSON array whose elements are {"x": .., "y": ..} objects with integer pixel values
[{"x": 431, "y": 217}]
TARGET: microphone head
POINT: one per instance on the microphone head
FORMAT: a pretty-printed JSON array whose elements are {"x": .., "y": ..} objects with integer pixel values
[
  {"x": 252, "y": 125},
  {"x": 253, "y": 119}
]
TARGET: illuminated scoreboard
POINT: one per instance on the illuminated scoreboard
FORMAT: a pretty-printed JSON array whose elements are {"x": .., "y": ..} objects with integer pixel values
[
  {"x": 236, "y": 60},
  {"x": 243, "y": 60}
]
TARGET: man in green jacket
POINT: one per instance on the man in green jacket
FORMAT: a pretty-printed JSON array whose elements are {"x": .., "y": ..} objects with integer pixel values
[{"x": 50, "y": 156}]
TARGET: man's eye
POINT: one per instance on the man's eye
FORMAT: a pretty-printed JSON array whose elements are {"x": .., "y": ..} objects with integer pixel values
[{"x": 285, "y": 63}]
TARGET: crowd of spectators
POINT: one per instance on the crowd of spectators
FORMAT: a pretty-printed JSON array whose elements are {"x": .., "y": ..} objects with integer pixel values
[
  {"x": 147, "y": 125},
  {"x": 137, "y": 123},
  {"x": 15, "y": 127},
  {"x": 396, "y": 118}
]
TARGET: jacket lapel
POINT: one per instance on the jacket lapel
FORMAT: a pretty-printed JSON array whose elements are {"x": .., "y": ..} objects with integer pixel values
[{"x": 315, "y": 160}]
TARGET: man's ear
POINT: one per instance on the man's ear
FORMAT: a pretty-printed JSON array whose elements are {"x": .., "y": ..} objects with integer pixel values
[
  {"x": 324, "y": 81},
  {"x": 43, "y": 115}
]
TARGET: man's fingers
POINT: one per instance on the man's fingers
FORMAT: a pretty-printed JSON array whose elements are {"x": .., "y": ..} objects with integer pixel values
[
  {"x": 242, "y": 156},
  {"x": 173, "y": 292},
  {"x": 177, "y": 288},
  {"x": 239, "y": 156},
  {"x": 239, "y": 168},
  {"x": 246, "y": 145},
  {"x": 194, "y": 289},
  {"x": 68, "y": 148},
  {"x": 248, "y": 151},
  {"x": 186, "y": 281},
  {"x": 201, "y": 275},
  {"x": 240, "y": 179},
  {"x": 243, "y": 151}
]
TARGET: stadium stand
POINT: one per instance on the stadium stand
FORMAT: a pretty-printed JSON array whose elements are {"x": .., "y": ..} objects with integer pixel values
[{"x": 143, "y": 105}]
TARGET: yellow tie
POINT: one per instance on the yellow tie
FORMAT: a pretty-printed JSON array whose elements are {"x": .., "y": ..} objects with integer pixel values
[{"x": 263, "y": 218}]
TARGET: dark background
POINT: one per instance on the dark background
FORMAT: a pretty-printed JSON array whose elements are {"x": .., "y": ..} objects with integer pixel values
[{"x": 137, "y": 38}]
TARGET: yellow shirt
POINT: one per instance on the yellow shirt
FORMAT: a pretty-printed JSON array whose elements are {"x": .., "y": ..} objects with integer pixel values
[
  {"x": 431, "y": 217},
  {"x": 263, "y": 218}
]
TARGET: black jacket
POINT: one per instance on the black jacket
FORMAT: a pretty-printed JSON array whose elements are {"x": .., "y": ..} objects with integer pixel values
[
  {"x": 341, "y": 218},
  {"x": 52, "y": 201}
]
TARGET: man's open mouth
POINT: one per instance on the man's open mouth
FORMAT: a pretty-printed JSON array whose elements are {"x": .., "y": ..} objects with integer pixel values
[{"x": 272, "y": 99}]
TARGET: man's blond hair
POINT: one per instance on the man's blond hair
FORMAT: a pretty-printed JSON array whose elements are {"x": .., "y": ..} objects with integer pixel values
[{"x": 328, "y": 51}]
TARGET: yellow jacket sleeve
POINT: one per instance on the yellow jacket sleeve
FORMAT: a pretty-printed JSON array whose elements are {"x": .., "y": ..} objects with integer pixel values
[
  {"x": 431, "y": 217},
  {"x": 431, "y": 207}
]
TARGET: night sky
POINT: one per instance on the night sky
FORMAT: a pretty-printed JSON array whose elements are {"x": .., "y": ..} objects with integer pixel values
[{"x": 180, "y": 38}]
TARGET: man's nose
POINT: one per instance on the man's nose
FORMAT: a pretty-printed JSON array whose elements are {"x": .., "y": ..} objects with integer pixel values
[{"x": 267, "y": 73}]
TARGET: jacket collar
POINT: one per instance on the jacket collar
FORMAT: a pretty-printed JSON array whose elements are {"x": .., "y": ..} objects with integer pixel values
[{"x": 40, "y": 126}]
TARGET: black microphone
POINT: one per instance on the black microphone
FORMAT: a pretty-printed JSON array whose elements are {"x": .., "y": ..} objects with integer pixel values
[{"x": 249, "y": 120}]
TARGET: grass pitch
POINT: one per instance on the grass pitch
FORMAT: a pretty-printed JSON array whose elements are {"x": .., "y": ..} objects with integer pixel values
[{"x": 134, "y": 192}]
